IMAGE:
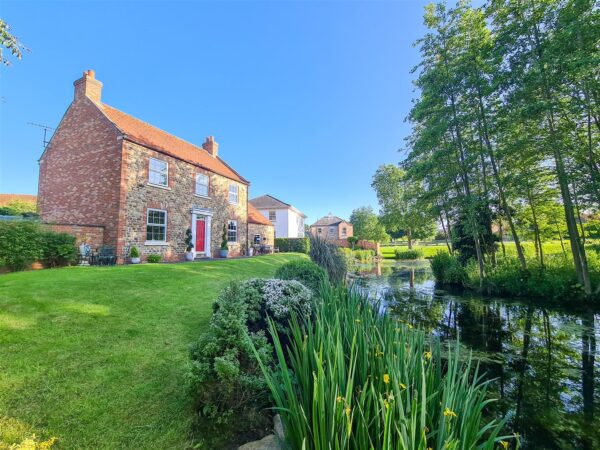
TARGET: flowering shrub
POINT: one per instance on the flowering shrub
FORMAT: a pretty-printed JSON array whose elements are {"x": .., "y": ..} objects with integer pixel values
[{"x": 225, "y": 377}]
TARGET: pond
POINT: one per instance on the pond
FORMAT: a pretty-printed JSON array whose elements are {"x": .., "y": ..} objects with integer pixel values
[{"x": 543, "y": 360}]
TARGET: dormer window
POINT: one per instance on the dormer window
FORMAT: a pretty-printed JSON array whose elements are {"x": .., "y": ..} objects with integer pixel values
[
  {"x": 158, "y": 173},
  {"x": 202, "y": 185},
  {"x": 233, "y": 194}
]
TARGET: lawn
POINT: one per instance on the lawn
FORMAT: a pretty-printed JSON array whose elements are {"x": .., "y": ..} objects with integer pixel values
[
  {"x": 97, "y": 356},
  {"x": 550, "y": 247}
]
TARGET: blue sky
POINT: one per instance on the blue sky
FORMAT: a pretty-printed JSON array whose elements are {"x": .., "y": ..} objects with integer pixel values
[{"x": 306, "y": 99}]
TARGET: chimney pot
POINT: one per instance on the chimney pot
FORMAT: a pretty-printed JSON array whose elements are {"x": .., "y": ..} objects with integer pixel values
[
  {"x": 88, "y": 86},
  {"x": 211, "y": 146}
]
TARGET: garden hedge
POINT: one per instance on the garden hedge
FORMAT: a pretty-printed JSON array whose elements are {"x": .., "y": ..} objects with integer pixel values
[{"x": 296, "y": 245}]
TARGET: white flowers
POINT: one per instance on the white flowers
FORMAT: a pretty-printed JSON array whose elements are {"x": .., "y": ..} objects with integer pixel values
[{"x": 284, "y": 296}]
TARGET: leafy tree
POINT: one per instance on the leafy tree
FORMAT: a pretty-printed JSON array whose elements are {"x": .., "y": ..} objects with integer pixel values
[
  {"x": 10, "y": 43},
  {"x": 398, "y": 198},
  {"x": 367, "y": 226}
]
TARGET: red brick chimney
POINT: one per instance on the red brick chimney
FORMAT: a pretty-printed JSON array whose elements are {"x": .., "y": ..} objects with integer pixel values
[
  {"x": 88, "y": 86},
  {"x": 211, "y": 146}
]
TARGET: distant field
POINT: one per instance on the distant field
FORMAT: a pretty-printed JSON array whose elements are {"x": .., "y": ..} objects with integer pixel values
[{"x": 551, "y": 247}]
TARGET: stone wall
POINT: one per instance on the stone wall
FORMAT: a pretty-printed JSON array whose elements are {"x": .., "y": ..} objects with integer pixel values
[
  {"x": 267, "y": 233},
  {"x": 178, "y": 199}
]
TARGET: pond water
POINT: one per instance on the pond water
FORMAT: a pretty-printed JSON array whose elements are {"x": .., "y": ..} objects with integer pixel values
[{"x": 544, "y": 361}]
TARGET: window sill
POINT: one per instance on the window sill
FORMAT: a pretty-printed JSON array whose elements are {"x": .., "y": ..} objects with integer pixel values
[
  {"x": 202, "y": 196},
  {"x": 166, "y": 188},
  {"x": 157, "y": 243},
  {"x": 234, "y": 203}
]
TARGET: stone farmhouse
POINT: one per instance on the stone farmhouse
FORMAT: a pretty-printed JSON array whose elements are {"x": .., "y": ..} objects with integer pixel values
[
  {"x": 112, "y": 179},
  {"x": 332, "y": 228}
]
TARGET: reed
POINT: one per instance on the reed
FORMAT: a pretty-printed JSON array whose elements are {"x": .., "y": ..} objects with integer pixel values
[{"x": 354, "y": 378}]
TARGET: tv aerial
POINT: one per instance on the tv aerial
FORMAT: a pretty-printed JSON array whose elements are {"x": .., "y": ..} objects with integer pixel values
[{"x": 46, "y": 128}]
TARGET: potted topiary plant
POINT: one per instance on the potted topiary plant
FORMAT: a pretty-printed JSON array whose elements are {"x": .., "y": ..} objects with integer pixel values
[
  {"x": 224, "y": 243},
  {"x": 189, "y": 247},
  {"x": 134, "y": 255}
]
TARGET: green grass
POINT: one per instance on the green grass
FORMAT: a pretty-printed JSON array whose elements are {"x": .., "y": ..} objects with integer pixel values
[
  {"x": 389, "y": 252},
  {"x": 96, "y": 356},
  {"x": 550, "y": 248}
]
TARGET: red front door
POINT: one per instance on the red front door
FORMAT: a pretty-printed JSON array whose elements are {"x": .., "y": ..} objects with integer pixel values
[{"x": 200, "y": 235}]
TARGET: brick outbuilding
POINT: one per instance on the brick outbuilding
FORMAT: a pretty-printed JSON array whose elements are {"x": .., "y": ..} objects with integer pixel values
[{"x": 127, "y": 183}]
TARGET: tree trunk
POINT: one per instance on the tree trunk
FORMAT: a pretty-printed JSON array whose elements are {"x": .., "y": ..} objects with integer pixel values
[
  {"x": 501, "y": 237},
  {"x": 498, "y": 181},
  {"x": 539, "y": 252},
  {"x": 577, "y": 248},
  {"x": 409, "y": 236},
  {"x": 445, "y": 233}
]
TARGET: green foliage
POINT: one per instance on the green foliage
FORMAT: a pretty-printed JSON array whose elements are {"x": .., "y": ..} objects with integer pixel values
[
  {"x": 225, "y": 377},
  {"x": 367, "y": 226},
  {"x": 306, "y": 272},
  {"x": 415, "y": 253},
  {"x": 224, "y": 242},
  {"x": 295, "y": 245},
  {"x": 358, "y": 255},
  {"x": 154, "y": 258},
  {"x": 189, "y": 246},
  {"x": 352, "y": 240},
  {"x": 462, "y": 235},
  {"x": 447, "y": 269},
  {"x": 555, "y": 281},
  {"x": 18, "y": 208},
  {"x": 403, "y": 208},
  {"x": 329, "y": 257},
  {"x": 20, "y": 244},
  {"x": 10, "y": 43},
  {"x": 134, "y": 252},
  {"x": 354, "y": 378},
  {"x": 58, "y": 249}
]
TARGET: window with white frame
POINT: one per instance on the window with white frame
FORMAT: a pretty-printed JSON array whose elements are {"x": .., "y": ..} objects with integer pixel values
[
  {"x": 158, "y": 173},
  {"x": 202, "y": 185},
  {"x": 257, "y": 238},
  {"x": 232, "y": 231},
  {"x": 233, "y": 193},
  {"x": 273, "y": 216},
  {"x": 319, "y": 230},
  {"x": 156, "y": 225},
  {"x": 344, "y": 231}
]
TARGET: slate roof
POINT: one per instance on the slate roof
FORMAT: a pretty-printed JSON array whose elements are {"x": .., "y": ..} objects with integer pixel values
[
  {"x": 155, "y": 138},
  {"x": 254, "y": 216},
  {"x": 328, "y": 221},
  {"x": 270, "y": 202}
]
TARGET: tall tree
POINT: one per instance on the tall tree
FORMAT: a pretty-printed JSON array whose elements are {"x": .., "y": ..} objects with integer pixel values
[
  {"x": 400, "y": 209},
  {"x": 367, "y": 226}
]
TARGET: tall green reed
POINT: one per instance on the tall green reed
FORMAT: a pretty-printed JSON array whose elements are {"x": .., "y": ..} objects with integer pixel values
[{"x": 353, "y": 378}]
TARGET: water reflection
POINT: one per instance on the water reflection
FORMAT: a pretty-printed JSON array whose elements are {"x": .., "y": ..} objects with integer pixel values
[{"x": 543, "y": 360}]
